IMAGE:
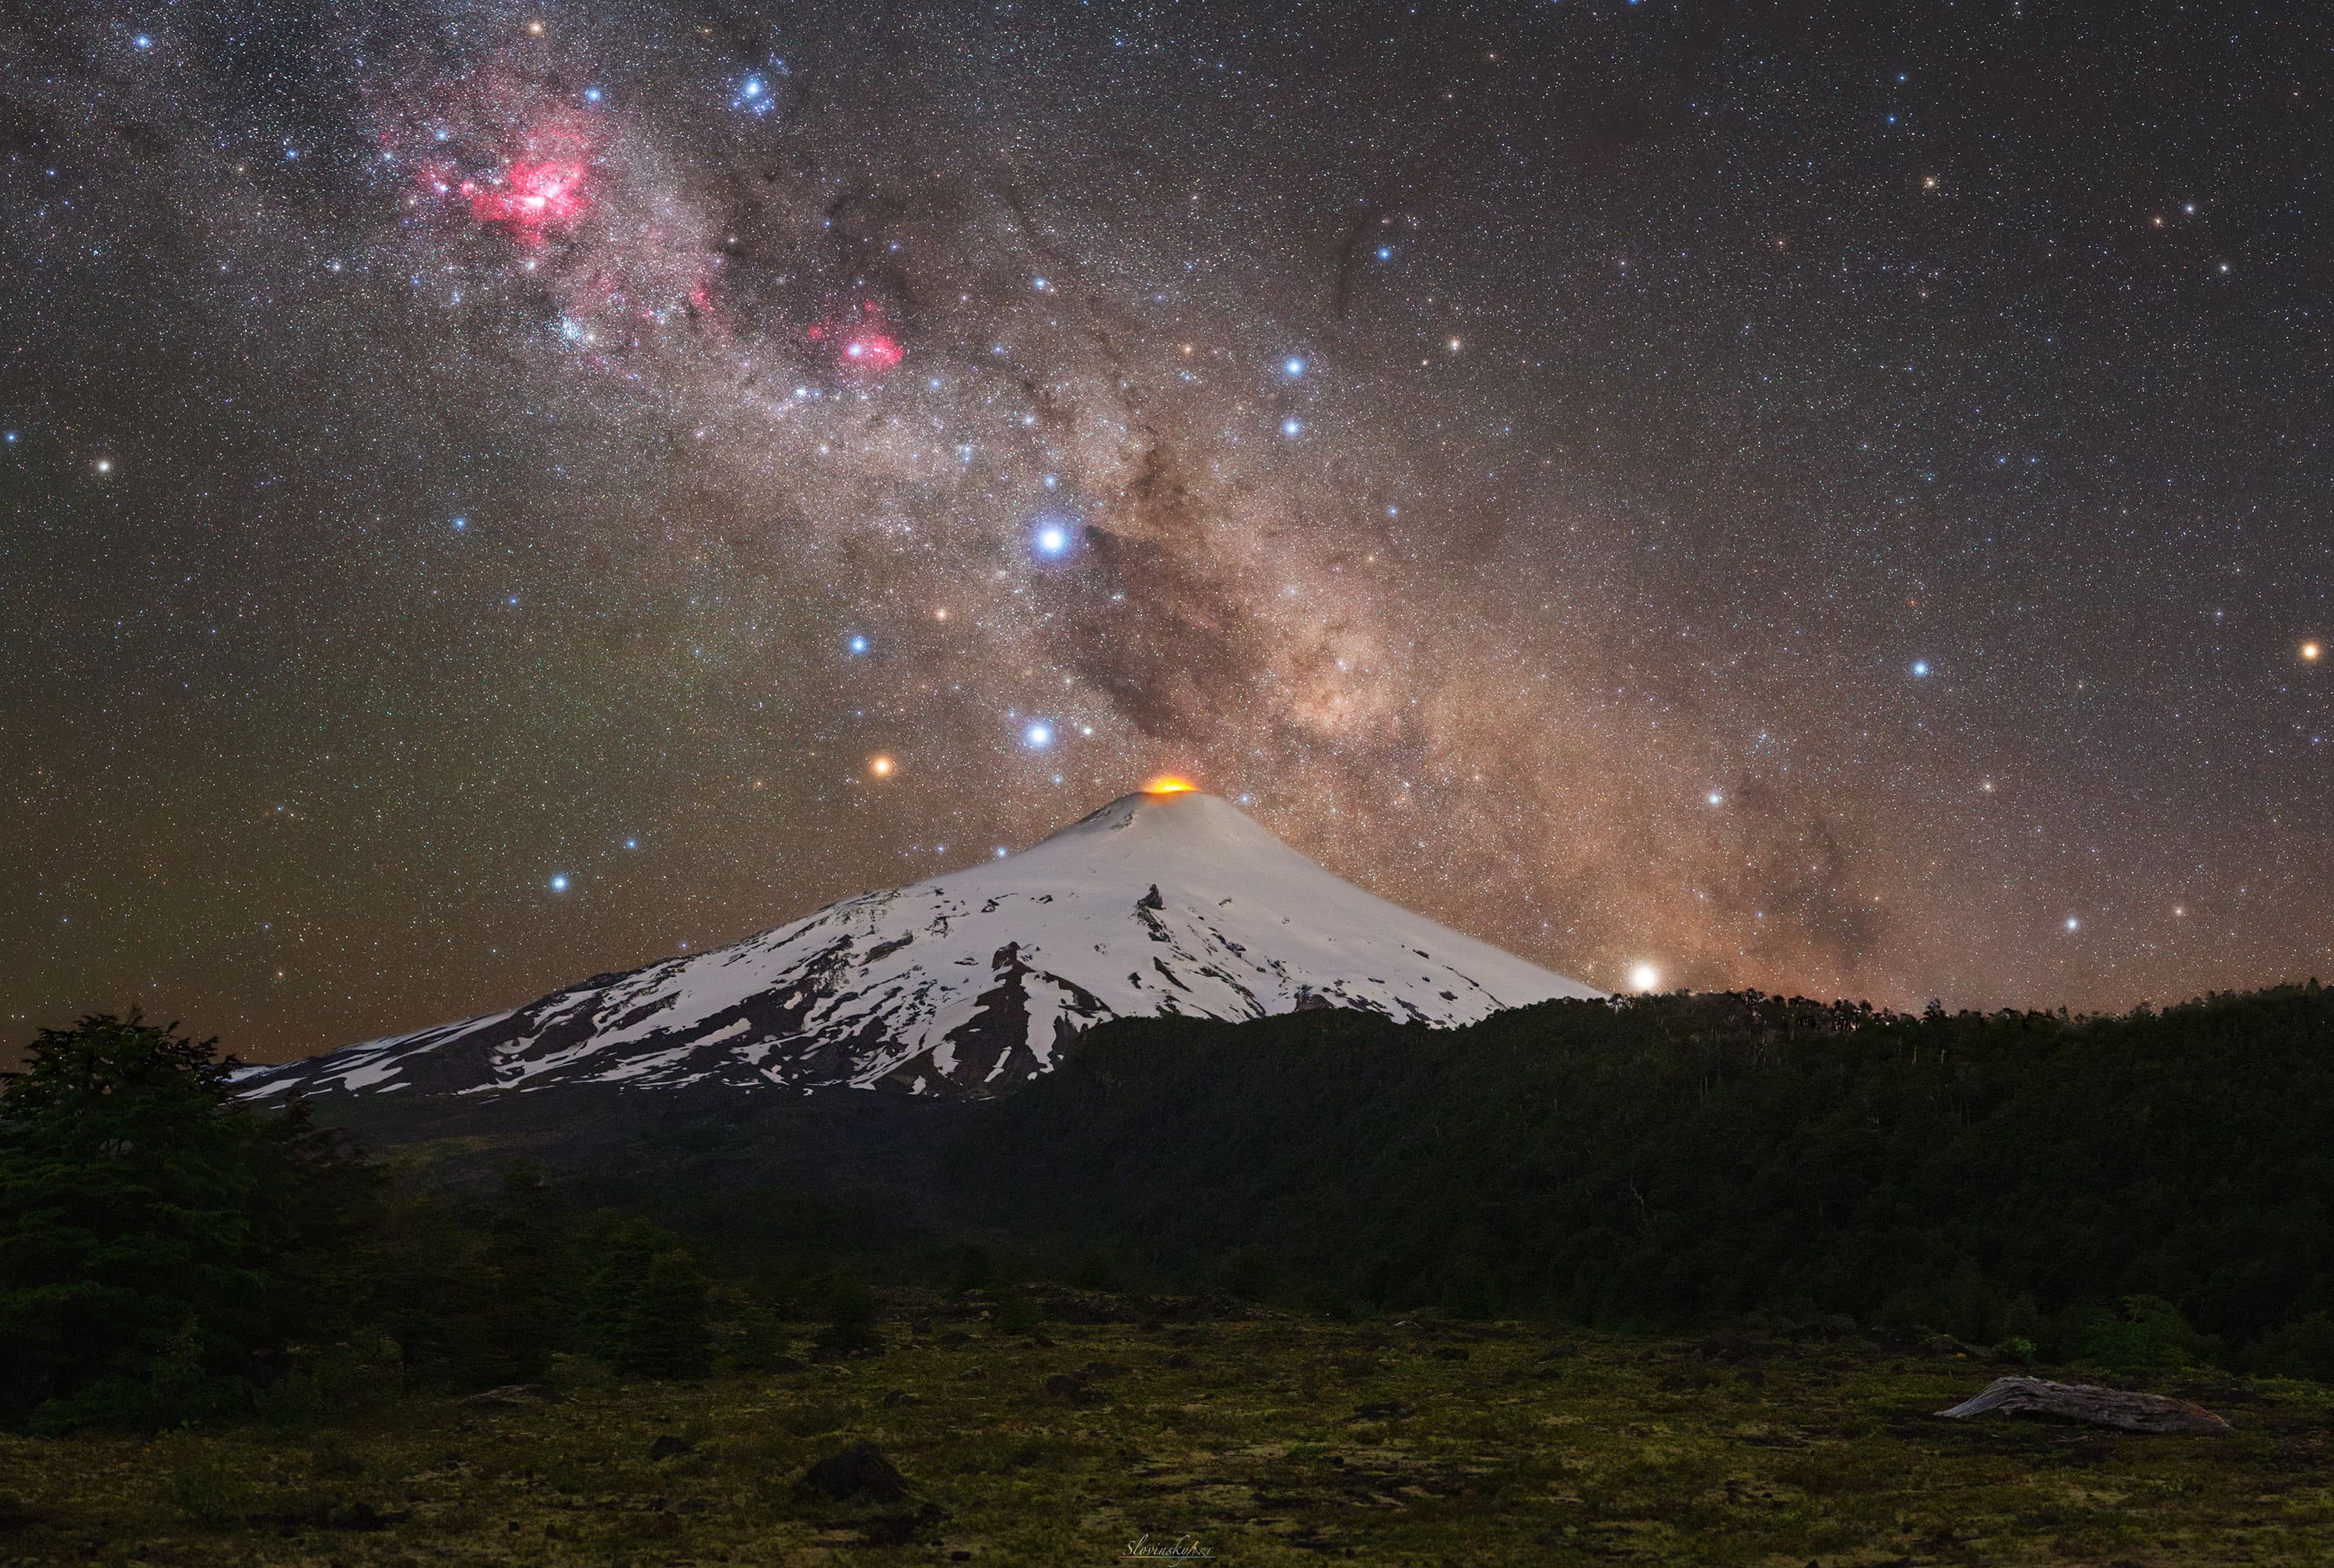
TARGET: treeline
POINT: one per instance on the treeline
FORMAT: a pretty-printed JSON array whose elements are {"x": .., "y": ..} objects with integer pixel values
[
  {"x": 2158, "y": 1185},
  {"x": 169, "y": 1256},
  {"x": 2130, "y": 1192}
]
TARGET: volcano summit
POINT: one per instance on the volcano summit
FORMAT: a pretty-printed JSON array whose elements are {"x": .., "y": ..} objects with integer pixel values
[{"x": 977, "y": 981}]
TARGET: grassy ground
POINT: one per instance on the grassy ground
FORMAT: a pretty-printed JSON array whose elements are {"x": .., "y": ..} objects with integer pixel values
[{"x": 1260, "y": 1441}]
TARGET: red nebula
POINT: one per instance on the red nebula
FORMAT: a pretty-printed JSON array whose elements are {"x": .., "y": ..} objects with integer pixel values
[
  {"x": 863, "y": 345},
  {"x": 872, "y": 349},
  {"x": 532, "y": 198}
]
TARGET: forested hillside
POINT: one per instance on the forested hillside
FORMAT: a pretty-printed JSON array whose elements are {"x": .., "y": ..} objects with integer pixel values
[{"x": 1689, "y": 1158}]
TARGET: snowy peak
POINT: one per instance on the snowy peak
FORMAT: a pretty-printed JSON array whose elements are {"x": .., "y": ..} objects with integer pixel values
[{"x": 974, "y": 982}]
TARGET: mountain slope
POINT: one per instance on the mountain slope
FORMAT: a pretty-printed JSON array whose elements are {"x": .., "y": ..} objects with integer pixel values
[{"x": 976, "y": 981}]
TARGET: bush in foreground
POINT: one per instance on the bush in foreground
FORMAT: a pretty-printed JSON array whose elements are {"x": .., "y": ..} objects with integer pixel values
[{"x": 161, "y": 1244}]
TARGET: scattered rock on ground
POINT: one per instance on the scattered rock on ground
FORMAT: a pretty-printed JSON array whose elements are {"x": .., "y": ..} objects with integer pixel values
[
  {"x": 2130, "y": 1412},
  {"x": 512, "y": 1396},
  {"x": 860, "y": 1470},
  {"x": 1073, "y": 1388}
]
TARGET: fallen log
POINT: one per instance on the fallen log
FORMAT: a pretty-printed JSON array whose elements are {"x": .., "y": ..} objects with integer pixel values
[{"x": 2083, "y": 1402}]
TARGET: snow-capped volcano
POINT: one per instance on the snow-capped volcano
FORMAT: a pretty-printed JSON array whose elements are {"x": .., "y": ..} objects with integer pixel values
[{"x": 976, "y": 981}]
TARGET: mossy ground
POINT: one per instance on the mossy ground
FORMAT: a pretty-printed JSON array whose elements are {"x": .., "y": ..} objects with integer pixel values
[{"x": 1266, "y": 1440}]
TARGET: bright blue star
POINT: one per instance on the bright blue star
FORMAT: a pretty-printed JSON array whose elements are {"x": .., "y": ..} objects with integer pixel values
[
  {"x": 1040, "y": 284},
  {"x": 11, "y": 438},
  {"x": 1292, "y": 427},
  {"x": 591, "y": 95},
  {"x": 1293, "y": 366},
  {"x": 1053, "y": 540},
  {"x": 858, "y": 643},
  {"x": 1038, "y": 736},
  {"x": 1920, "y": 667},
  {"x": 461, "y": 523},
  {"x": 143, "y": 41},
  {"x": 1385, "y": 253},
  {"x": 632, "y": 843},
  {"x": 559, "y": 882}
]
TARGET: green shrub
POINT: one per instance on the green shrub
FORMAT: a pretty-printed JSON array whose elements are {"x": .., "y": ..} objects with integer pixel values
[
  {"x": 205, "y": 1486},
  {"x": 850, "y": 1328},
  {"x": 758, "y": 1338},
  {"x": 332, "y": 1382},
  {"x": 1012, "y": 1312},
  {"x": 2149, "y": 1336},
  {"x": 2299, "y": 1349}
]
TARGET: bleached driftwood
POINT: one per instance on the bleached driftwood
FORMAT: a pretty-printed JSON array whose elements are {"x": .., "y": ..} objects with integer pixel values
[{"x": 2082, "y": 1402}]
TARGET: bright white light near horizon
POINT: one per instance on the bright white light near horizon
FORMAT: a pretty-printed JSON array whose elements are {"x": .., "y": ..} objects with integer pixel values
[
  {"x": 1038, "y": 736},
  {"x": 1645, "y": 978}
]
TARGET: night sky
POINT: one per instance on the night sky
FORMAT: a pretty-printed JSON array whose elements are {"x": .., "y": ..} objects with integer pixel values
[{"x": 1794, "y": 497}]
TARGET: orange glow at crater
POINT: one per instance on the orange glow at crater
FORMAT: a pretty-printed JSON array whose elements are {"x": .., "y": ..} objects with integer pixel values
[{"x": 1168, "y": 783}]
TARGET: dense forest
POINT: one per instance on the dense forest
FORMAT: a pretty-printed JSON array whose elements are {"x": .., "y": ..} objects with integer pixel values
[
  {"x": 2126, "y": 1192},
  {"x": 1689, "y": 1158}
]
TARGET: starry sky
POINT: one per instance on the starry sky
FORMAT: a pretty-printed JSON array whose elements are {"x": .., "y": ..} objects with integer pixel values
[{"x": 1832, "y": 499}]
